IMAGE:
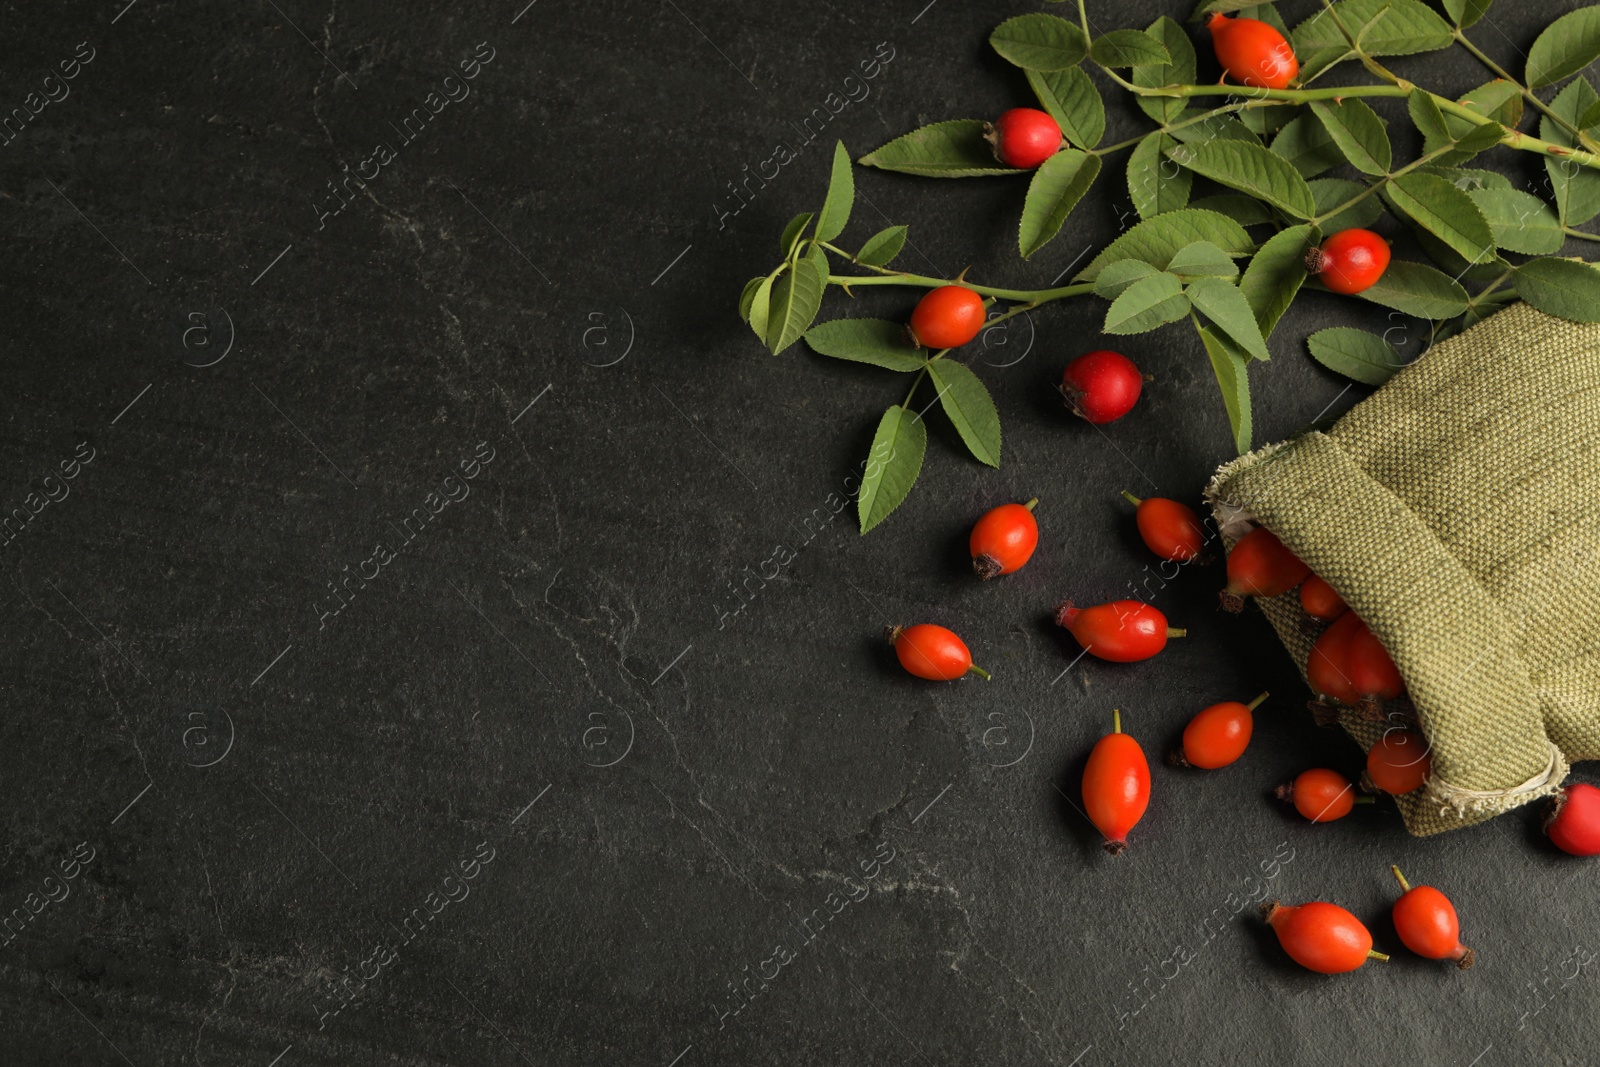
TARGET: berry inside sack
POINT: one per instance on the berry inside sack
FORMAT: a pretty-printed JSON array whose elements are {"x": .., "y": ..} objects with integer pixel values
[{"x": 1457, "y": 512}]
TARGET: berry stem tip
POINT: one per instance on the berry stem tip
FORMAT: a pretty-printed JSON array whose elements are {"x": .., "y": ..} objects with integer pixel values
[
  {"x": 1405, "y": 886},
  {"x": 979, "y": 671},
  {"x": 1256, "y": 703}
]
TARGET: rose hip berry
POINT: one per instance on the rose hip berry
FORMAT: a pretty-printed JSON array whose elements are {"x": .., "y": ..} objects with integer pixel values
[
  {"x": 1260, "y": 565},
  {"x": 1321, "y": 795},
  {"x": 1321, "y": 937},
  {"x": 1004, "y": 539},
  {"x": 932, "y": 652},
  {"x": 1328, "y": 665},
  {"x": 1573, "y": 824},
  {"x": 1116, "y": 786},
  {"x": 1102, "y": 386},
  {"x": 1371, "y": 671},
  {"x": 1350, "y": 261},
  {"x": 1400, "y": 762},
  {"x": 1253, "y": 52},
  {"x": 1023, "y": 137},
  {"x": 1123, "y": 631},
  {"x": 947, "y": 317},
  {"x": 1217, "y": 736},
  {"x": 1320, "y": 601},
  {"x": 1171, "y": 530},
  {"x": 1427, "y": 924}
]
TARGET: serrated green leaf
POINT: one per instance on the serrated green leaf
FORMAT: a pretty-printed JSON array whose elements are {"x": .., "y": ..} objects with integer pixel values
[
  {"x": 1040, "y": 42},
  {"x": 1275, "y": 274},
  {"x": 1576, "y": 188},
  {"x": 1566, "y": 46},
  {"x": 796, "y": 298},
  {"x": 1470, "y": 178},
  {"x": 748, "y": 296},
  {"x": 1359, "y": 133},
  {"x": 1245, "y": 210},
  {"x": 1156, "y": 240},
  {"x": 1225, "y": 7},
  {"x": 1055, "y": 190},
  {"x": 1233, "y": 377},
  {"x": 1146, "y": 304},
  {"x": 892, "y": 465},
  {"x": 1590, "y": 117},
  {"x": 1215, "y": 128},
  {"x": 792, "y": 232},
  {"x": 954, "y": 149},
  {"x": 1500, "y": 100},
  {"x": 841, "y": 196},
  {"x": 761, "y": 308},
  {"x": 882, "y": 247},
  {"x": 1202, "y": 260},
  {"x": 1178, "y": 70},
  {"x": 1466, "y": 12},
  {"x": 1128, "y": 48},
  {"x": 876, "y": 341},
  {"x": 1329, "y": 193},
  {"x": 1521, "y": 221},
  {"x": 1116, "y": 278},
  {"x": 1251, "y": 169},
  {"x": 1454, "y": 264},
  {"x": 1230, "y": 312},
  {"x": 1386, "y": 28},
  {"x": 1565, "y": 288},
  {"x": 1151, "y": 189},
  {"x": 1308, "y": 146},
  {"x": 1480, "y": 139},
  {"x": 1429, "y": 120},
  {"x": 969, "y": 407},
  {"x": 1072, "y": 100},
  {"x": 1357, "y": 354},
  {"x": 1444, "y": 211},
  {"x": 1418, "y": 289},
  {"x": 1265, "y": 12},
  {"x": 1269, "y": 119}
]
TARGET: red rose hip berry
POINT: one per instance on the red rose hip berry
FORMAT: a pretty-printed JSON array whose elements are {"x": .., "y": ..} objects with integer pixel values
[
  {"x": 1573, "y": 824},
  {"x": 1171, "y": 530},
  {"x": 1102, "y": 386},
  {"x": 1321, "y": 795},
  {"x": 947, "y": 317},
  {"x": 1400, "y": 762},
  {"x": 1349, "y": 262},
  {"x": 1116, "y": 786},
  {"x": 1260, "y": 565},
  {"x": 1253, "y": 52},
  {"x": 1321, "y": 937},
  {"x": 932, "y": 652},
  {"x": 1427, "y": 923},
  {"x": 1004, "y": 539},
  {"x": 1123, "y": 631},
  {"x": 1218, "y": 735},
  {"x": 1320, "y": 600},
  {"x": 1023, "y": 137}
]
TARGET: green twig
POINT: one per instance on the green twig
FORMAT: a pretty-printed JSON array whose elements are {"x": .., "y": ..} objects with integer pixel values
[
  {"x": 1035, "y": 297},
  {"x": 1527, "y": 94}
]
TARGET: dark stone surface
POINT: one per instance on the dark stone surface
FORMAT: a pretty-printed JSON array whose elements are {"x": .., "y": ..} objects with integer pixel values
[{"x": 553, "y": 240}]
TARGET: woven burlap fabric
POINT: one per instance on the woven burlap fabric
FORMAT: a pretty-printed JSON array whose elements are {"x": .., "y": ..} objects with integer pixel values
[{"x": 1457, "y": 511}]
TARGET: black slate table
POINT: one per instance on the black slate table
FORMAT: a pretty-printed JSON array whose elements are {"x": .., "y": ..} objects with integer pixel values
[{"x": 400, "y": 675}]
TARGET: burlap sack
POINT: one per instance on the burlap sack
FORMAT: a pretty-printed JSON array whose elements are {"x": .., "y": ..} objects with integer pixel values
[{"x": 1457, "y": 510}]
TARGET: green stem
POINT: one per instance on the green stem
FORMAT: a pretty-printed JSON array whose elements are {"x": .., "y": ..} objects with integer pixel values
[
  {"x": 1032, "y": 297},
  {"x": 1527, "y": 94},
  {"x": 1420, "y": 161},
  {"x": 921, "y": 374},
  {"x": 1165, "y": 128},
  {"x": 1579, "y": 234}
]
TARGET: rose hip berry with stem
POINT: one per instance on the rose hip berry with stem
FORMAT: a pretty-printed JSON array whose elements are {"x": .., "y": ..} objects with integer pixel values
[
  {"x": 1102, "y": 386},
  {"x": 1427, "y": 924},
  {"x": 1123, "y": 631},
  {"x": 1004, "y": 539},
  {"x": 1573, "y": 824},
  {"x": 1372, "y": 673},
  {"x": 1023, "y": 137},
  {"x": 1217, "y": 736},
  {"x": 1253, "y": 52},
  {"x": 1116, "y": 786},
  {"x": 1321, "y": 937},
  {"x": 1350, "y": 261},
  {"x": 1400, "y": 762},
  {"x": 1260, "y": 565},
  {"x": 932, "y": 652},
  {"x": 947, "y": 317},
  {"x": 1321, "y": 795},
  {"x": 1171, "y": 530},
  {"x": 1319, "y": 599}
]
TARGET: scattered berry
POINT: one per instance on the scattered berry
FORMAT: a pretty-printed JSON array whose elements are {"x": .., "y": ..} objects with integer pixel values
[
  {"x": 1427, "y": 924},
  {"x": 1116, "y": 786},
  {"x": 947, "y": 317},
  {"x": 1327, "y": 668},
  {"x": 932, "y": 652},
  {"x": 1024, "y": 137},
  {"x": 1102, "y": 386},
  {"x": 1574, "y": 820},
  {"x": 1321, "y": 937},
  {"x": 1320, "y": 601},
  {"x": 1400, "y": 762},
  {"x": 1321, "y": 795},
  {"x": 1123, "y": 631},
  {"x": 1004, "y": 539},
  {"x": 1218, "y": 735},
  {"x": 1253, "y": 52},
  {"x": 1171, "y": 530},
  {"x": 1260, "y": 565},
  {"x": 1350, "y": 261}
]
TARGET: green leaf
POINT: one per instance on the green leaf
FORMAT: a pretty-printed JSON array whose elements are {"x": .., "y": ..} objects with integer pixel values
[
  {"x": 969, "y": 407},
  {"x": 1245, "y": 210},
  {"x": 1146, "y": 304},
  {"x": 1455, "y": 264},
  {"x": 841, "y": 196},
  {"x": 1576, "y": 188},
  {"x": 761, "y": 308},
  {"x": 1418, "y": 289},
  {"x": 1151, "y": 191},
  {"x": 1232, "y": 370},
  {"x": 1202, "y": 260},
  {"x": 1040, "y": 42},
  {"x": 892, "y": 465},
  {"x": 1468, "y": 179},
  {"x": 1565, "y": 288},
  {"x": 1308, "y": 146},
  {"x": 1230, "y": 312},
  {"x": 1116, "y": 278},
  {"x": 1129, "y": 48},
  {"x": 1429, "y": 120},
  {"x": 1444, "y": 211},
  {"x": 1262, "y": 121},
  {"x": 1359, "y": 133},
  {"x": 1265, "y": 12},
  {"x": 1072, "y": 100},
  {"x": 954, "y": 149},
  {"x": 795, "y": 300},
  {"x": 1157, "y": 240},
  {"x": 882, "y": 247},
  {"x": 1329, "y": 193},
  {"x": 1500, "y": 100},
  {"x": 1521, "y": 221},
  {"x": 1275, "y": 274},
  {"x": 1215, "y": 128},
  {"x": 1566, "y": 46},
  {"x": 1466, "y": 12},
  {"x": 1251, "y": 169},
  {"x": 1055, "y": 190},
  {"x": 1386, "y": 28},
  {"x": 1178, "y": 70},
  {"x": 1226, "y": 7},
  {"x": 1357, "y": 354},
  {"x": 1590, "y": 117},
  {"x": 792, "y": 232},
  {"x": 876, "y": 341},
  {"x": 748, "y": 296}
]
